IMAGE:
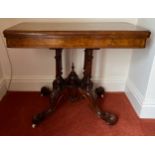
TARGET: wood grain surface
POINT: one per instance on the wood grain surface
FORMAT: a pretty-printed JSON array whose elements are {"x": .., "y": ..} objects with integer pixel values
[{"x": 76, "y": 35}]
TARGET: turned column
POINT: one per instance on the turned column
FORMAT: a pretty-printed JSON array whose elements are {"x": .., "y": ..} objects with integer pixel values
[
  {"x": 58, "y": 82},
  {"x": 86, "y": 83}
]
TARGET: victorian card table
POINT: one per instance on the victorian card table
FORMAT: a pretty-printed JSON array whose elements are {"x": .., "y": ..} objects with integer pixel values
[{"x": 89, "y": 36}]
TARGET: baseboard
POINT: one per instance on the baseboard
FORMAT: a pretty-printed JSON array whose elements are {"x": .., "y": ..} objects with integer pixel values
[
  {"x": 111, "y": 84},
  {"x": 29, "y": 83},
  {"x": 135, "y": 97},
  {"x": 148, "y": 108},
  {"x": 34, "y": 83},
  {"x": 3, "y": 88},
  {"x": 145, "y": 108}
]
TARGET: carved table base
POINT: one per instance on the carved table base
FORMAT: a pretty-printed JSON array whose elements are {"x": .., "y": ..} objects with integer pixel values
[{"x": 74, "y": 88}]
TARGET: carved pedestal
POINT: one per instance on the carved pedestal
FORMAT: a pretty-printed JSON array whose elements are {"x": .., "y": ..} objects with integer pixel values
[{"x": 74, "y": 88}]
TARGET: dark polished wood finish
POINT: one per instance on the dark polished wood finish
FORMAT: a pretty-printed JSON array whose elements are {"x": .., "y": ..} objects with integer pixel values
[
  {"x": 86, "y": 83},
  {"x": 90, "y": 36},
  {"x": 58, "y": 82}
]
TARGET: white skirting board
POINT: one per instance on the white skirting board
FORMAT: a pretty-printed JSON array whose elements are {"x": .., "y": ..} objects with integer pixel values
[
  {"x": 144, "y": 107},
  {"x": 3, "y": 88},
  {"x": 34, "y": 83}
]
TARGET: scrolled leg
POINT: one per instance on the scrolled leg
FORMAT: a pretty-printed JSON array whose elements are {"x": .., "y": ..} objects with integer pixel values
[
  {"x": 41, "y": 116},
  {"x": 56, "y": 97},
  {"x": 98, "y": 95},
  {"x": 53, "y": 98},
  {"x": 108, "y": 117},
  {"x": 95, "y": 99}
]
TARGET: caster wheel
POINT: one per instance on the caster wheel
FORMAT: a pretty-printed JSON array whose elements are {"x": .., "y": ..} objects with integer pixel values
[
  {"x": 45, "y": 91},
  {"x": 33, "y": 125}
]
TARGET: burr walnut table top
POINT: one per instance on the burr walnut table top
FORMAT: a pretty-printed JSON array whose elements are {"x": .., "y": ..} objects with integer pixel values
[{"x": 76, "y": 35}]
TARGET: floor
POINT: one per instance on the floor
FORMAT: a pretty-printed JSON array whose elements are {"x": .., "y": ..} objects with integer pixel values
[{"x": 78, "y": 118}]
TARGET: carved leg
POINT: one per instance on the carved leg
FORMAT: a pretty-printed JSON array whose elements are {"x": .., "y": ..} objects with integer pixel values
[
  {"x": 54, "y": 95},
  {"x": 95, "y": 99},
  {"x": 110, "y": 118},
  {"x": 41, "y": 116},
  {"x": 87, "y": 85}
]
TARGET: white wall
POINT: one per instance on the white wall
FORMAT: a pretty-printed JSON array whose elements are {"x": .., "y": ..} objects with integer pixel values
[
  {"x": 140, "y": 88},
  {"x": 150, "y": 93},
  {"x": 1, "y": 75},
  {"x": 33, "y": 68},
  {"x": 148, "y": 108},
  {"x": 2, "y": 80}
]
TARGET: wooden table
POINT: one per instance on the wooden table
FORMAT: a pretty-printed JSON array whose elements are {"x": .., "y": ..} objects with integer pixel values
[{"x": 75, "y": 35}]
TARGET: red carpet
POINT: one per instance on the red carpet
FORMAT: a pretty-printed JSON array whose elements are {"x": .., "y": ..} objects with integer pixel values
[{"x": 17, "y": 109}]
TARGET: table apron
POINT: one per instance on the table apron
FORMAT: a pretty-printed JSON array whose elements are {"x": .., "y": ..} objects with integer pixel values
[{"x": 80, "y": 42}]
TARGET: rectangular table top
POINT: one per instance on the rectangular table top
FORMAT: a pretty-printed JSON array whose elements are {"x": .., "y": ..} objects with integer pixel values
[{"x": 76, "y": 35}]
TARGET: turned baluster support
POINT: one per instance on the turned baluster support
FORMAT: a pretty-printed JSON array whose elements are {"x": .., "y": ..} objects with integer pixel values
[
  {"x": 59, "y": 81},
  {"x": 86, "y": 83}
]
